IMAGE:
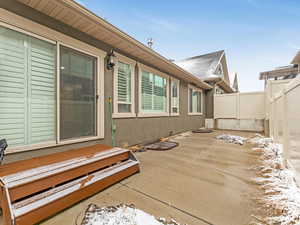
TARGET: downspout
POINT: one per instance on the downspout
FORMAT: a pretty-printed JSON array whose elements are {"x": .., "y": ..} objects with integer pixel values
[{"x": 113, "y": 125}]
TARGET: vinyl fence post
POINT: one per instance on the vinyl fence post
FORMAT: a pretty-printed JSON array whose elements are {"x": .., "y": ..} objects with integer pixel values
[{"x": 286, "y": 132}]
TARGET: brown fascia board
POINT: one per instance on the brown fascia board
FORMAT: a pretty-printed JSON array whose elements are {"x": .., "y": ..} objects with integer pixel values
[
  {"x": 92, "y": 17},
  {"x": 222, "y": 82}
]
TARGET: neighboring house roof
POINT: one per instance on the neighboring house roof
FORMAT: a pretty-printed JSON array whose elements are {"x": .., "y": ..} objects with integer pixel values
[
  {"x": 75, "y": 15},
  {"x": 205, "y": 67},
  {"x": 296, "y": 59},
  {"x": 202, "y": 66},
  {"x": 286, "y": 71}
]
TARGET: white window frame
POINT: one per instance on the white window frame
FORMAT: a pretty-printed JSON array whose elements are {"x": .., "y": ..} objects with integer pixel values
[
  {"x": 141, "y": 68},
  {"x": 132, "y": 64},
  {"x": 174, "y": 80},
  {"x": 100, "y": 116},
  {"x": 202, "y": 103},
  {"x": 28, "y": 27}
]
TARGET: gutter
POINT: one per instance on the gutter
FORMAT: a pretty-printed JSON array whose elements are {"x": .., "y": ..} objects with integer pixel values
[{"x": 220, "y": 81}]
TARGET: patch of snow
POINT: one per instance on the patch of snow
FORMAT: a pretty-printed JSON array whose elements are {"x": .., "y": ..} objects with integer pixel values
[
  {"x": 181, "y": 136},
  {"x": 232, "y": 139},
  {"x": 122, "y": 215},
  {"x": 281, "y": 195}
]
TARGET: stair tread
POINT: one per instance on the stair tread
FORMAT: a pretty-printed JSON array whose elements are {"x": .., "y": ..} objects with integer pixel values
[
  {"x": 15, "y": 167},
  {"x": 30, "y": 175},
  {"x": 39, "y": 200}
]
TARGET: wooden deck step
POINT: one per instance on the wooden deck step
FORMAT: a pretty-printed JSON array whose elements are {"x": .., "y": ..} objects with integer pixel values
[
  {"x": 54, "y": 194},
  {"x": 32, "y": 190}
]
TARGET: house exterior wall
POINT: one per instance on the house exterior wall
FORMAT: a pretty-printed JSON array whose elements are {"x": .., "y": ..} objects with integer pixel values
[{"x": 129, "y": 131}]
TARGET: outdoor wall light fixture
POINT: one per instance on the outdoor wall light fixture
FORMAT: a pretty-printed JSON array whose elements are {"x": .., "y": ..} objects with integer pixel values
[{"x": 111, "y": 60}]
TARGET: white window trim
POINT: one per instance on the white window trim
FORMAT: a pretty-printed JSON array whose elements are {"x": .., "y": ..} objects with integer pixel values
[
  {"x": 195, "y": 89},
  {"x": 142, "y": 67},
  {"x": 100, "y": 100},
  {"x": 172, "y": 79},
  {"x": 132, "y": 63},
  {"x": 28, "y": 27}
]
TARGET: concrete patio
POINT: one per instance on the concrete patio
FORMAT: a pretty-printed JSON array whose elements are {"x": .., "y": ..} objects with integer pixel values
[{"x": 203, "y": 181}]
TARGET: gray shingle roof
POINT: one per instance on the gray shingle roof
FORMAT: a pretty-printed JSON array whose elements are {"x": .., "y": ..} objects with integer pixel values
[{"x": 202, "y": 66}]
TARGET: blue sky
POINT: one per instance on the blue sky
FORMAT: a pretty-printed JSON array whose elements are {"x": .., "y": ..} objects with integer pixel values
[{"x": 257, "y": 35}]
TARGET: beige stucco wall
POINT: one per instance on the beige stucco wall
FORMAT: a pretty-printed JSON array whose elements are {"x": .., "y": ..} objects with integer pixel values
[{"x": 129, "y": 131}]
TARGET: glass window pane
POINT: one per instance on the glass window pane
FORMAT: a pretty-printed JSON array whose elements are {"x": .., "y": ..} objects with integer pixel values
[
  {"x": 147, "y": 91},
  {"x": 124, "y": 83},
  {"x": 195, "y": 101},
  {"x": 190, "y": 100},
  {"x": 199, "y": 102},
  {"x": 175, "y": 96},
  {"x": 154, "y": 93},
  {"x": 160, "y": 94},
  {"x": 77, "y": 94},
  {"x": 124, "y": 108}
]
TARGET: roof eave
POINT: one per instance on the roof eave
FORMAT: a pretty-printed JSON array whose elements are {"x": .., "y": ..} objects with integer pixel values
[
  {"x": 119, "y": 39},
  {"x": 222, "y": 82}
]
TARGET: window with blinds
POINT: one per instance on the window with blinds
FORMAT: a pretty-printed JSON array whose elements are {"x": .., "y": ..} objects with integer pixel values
[
  {"x": 27, "y": 89},
  {"x": 124, "y": 88},
  {"x": 195, "y": 101},
  {"x": 174, "y": 96},
  {"x": 154, "y": 93}
]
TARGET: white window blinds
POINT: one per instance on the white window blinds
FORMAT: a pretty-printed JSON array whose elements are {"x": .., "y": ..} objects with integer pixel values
[
  {"x": 27, "y": 89},
  {"x": 154, "y": 93},
  {"x": 174, "y": 96},
  {"x": 124, "y": 88}
]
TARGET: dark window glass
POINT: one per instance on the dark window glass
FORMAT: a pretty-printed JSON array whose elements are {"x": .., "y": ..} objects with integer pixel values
[{"x": 77, "y": 94}]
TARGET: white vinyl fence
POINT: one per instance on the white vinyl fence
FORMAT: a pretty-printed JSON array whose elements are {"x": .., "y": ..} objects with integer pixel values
[
  {"x": 248, "y": 105},
  {"x": 240, "y": 111},
  {"x": 284, "y": 119},
  {"x": 273, "y": 88}
]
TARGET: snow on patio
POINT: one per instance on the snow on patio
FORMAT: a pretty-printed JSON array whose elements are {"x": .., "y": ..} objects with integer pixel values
[
  {"x": 122, "y": 215},
  {"x": 232, "y": 139},
  {"x": 280, "y": 196}
]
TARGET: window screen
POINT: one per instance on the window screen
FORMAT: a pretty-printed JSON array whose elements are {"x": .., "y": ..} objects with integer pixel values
[{"x": 77, "y": 94}]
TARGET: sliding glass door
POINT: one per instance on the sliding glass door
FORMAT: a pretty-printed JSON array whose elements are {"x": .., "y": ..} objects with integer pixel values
[{"x": 77, "y": 95}]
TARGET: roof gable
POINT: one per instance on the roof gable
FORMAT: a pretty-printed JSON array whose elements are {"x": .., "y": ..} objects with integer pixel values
[{"x": 202, "y": 66}]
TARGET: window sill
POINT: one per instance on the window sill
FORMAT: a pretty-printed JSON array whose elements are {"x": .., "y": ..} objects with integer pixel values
[
  {"x": 123, "y": 115},
  {"x": 195, "y": 114},
  {"x": 78, "y": 140},
  {"x": 153, "y": 115},
  {"x": 175, "y": 114},
  {"x": 50, "y": 144}
]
